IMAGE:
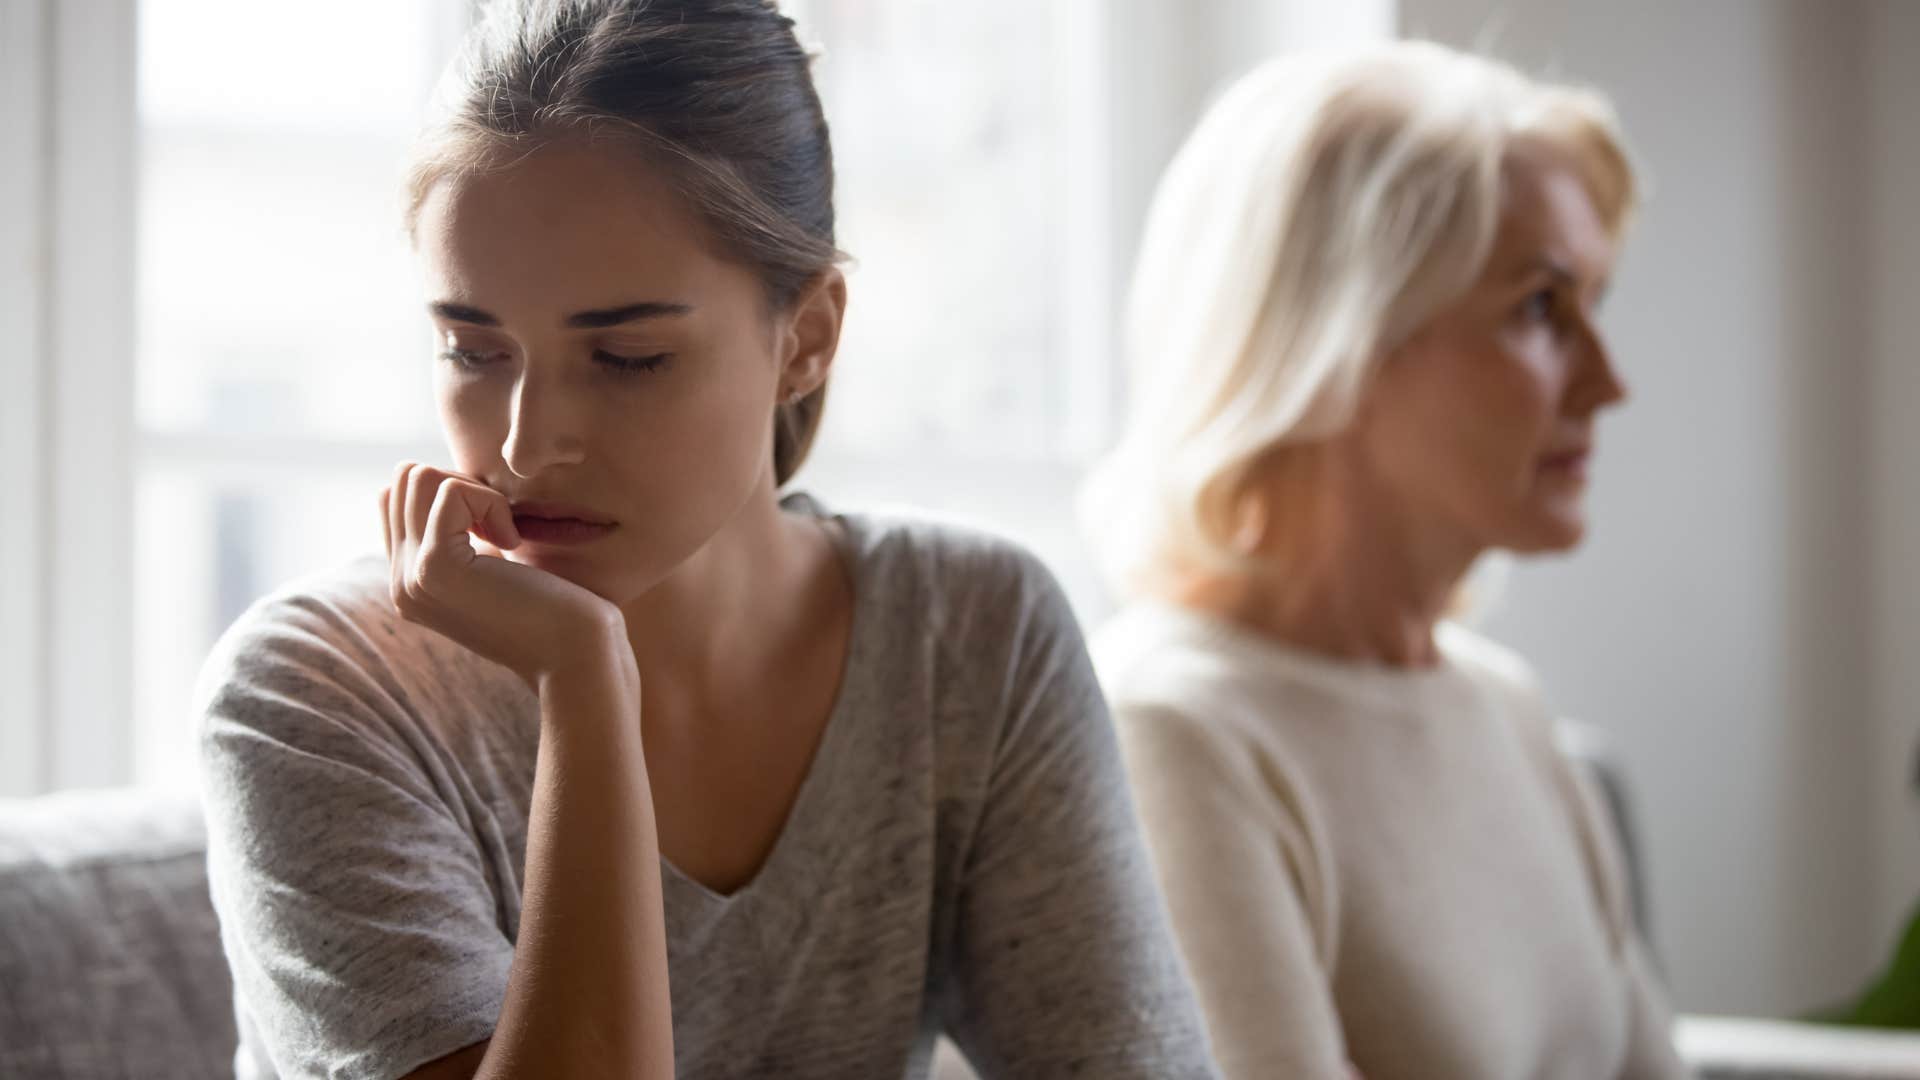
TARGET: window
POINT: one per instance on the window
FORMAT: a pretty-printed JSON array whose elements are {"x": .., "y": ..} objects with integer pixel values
[
  {"x": 281, "y": 357},
  {"x": 960, "y": 177},
  {"x": 209, "y": 321},
  {"x": 281, "y": 351},
  {"x": 974, "y": 376}
]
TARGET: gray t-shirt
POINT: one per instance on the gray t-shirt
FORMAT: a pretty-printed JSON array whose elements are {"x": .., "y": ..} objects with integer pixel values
[{"x": 962, "y": 855}]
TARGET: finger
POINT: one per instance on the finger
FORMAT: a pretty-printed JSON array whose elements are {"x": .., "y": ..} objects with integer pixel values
[
  {"x": 423, "y": 482},
  {"x": 489, "y": 516},
  {"x": 447, "y": 544},
  {"x": 386, "y": 523},
  {"x": 493, "y": 518},
  {"x": 396, "y": 504},
  {"x": 397, "y": 527},
  {"x": 457, "y": 509}
]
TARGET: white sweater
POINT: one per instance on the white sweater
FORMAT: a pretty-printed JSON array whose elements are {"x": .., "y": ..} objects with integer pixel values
[{"x": 1389, "y": 867}]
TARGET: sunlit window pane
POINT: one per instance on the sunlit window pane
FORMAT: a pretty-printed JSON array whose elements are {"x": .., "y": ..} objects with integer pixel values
[
  {"x": 949, "y": 132},
  {"x": 279, "y": 309},
  {"x": 212, "y": 542},
  {"x": 276, "y": 292}
]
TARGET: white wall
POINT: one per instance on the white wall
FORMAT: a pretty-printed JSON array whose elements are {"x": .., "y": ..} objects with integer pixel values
[
  {"x": 1721, "y": 620},
  {"x": 1893, "y": 156}
]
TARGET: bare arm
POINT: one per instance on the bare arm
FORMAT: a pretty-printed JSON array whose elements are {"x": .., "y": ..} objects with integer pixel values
[{"x": 588, "y": 993}]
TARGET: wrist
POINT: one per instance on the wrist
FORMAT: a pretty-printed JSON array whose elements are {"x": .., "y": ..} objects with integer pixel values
[{"x": 595, "y": 656}]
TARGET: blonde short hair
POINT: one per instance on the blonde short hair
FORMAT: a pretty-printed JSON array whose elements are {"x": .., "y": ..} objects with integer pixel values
[{"x": 1325, "y": 208}]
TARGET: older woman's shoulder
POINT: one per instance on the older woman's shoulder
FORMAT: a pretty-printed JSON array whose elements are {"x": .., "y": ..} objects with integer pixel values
[{"x": 1487, "y": 661}]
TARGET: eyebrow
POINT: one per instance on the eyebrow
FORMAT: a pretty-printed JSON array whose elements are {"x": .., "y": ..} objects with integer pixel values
[
  {"x": 1550, "y": 266},
  {"x": 1561, "y": 275},
  {"x": 648, "y": 309},
  {"x": 580, "y": 320}
]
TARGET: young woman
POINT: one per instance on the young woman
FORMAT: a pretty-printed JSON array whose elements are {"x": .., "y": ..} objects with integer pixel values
[
  {"x": 1364, "y": 330},
  {"x": 619, "y": 764}
]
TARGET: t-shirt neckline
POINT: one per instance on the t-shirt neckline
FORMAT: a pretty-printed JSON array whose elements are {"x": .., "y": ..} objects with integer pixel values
[{"x": 796, "y": 832}]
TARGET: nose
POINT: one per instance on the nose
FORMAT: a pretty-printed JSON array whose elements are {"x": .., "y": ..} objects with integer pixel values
[
  {"x": 543, "y": 428},
  {"x": 1598, "y": 384}
]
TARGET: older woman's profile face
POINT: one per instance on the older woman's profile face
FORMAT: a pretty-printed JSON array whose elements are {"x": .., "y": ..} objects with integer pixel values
[{"x": 1483, "y": 422}]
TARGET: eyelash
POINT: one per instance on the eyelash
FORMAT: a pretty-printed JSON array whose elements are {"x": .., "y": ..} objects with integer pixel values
[
  {"x": 468, "y": 360},
  {"x": 631, "y": 363},
  {"x": 1542, "y": 304}
]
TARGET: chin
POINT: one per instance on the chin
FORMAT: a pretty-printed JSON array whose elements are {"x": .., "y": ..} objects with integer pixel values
[
  {"x": 613, "y": 585},
  {"x": 1549, "y": 534}
]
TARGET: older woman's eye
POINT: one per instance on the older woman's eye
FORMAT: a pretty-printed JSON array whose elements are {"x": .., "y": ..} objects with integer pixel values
[{"x": 1539, "y": 306}]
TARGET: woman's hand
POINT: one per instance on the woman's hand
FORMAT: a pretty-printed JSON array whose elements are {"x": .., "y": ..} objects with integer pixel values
[
  {"x": 527, "y": 620},
  {"x": 588, "y": 993}
]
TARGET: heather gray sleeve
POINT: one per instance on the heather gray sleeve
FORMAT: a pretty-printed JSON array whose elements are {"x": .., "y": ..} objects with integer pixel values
[
  {"x": 1063, "y": 961},
  {"x": 355, "y": 910}
]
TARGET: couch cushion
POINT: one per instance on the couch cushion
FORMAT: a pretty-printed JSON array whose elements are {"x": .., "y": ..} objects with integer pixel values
[{"x": 110, "y": 961}]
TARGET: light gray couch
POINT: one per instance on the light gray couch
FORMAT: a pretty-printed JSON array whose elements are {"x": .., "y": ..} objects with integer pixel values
[{"x": 110, "y": 962}]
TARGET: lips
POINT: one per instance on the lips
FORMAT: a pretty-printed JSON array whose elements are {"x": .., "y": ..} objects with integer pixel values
[
  {"x": 1567, "y": 464},
  {"x": 559, "y": 523}
]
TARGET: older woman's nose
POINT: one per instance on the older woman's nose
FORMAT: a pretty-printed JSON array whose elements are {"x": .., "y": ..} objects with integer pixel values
[{"x": 1598, "y": 383}]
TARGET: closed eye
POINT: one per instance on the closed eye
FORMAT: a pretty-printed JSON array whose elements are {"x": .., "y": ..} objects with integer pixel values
[
  {"x": 617, "y": 362},
  {"x": 469, "y": 359}
]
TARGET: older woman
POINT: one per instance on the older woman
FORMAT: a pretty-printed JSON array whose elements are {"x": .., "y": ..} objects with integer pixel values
[{"x": 1365, "y": 350}]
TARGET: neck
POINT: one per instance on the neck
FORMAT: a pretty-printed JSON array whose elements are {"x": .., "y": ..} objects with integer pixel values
[
  {"x": 1369, "y": 584},
  {"x": 715, "y": 621}
]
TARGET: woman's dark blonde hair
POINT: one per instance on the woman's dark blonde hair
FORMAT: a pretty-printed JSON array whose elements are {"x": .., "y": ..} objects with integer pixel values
[{"x": 717, "y": 93}]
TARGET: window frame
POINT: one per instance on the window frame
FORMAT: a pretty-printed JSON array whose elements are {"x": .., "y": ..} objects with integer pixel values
[
  {"x": 68, "y": 427},
  {"x": 67, "y": 642},
  {"x": 25, "y": 32}
]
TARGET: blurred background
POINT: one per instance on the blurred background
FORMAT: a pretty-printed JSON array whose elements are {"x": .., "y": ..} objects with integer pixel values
[{"x": 212, "y": 351}]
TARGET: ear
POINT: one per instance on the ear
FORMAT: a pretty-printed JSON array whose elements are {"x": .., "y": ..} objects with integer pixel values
[{"x": 812, "y": 333}]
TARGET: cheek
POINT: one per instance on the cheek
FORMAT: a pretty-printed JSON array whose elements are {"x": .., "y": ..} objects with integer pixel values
[
  {"x": 1464, "y": 427},
  {"x": 1505, "y": 406},
  {"x": 473, "y": 419},
  {"x": 705, "y": 439}
]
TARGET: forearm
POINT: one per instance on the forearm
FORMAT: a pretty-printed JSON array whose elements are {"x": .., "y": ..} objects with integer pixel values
[{"x": 588, "y": 993}]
